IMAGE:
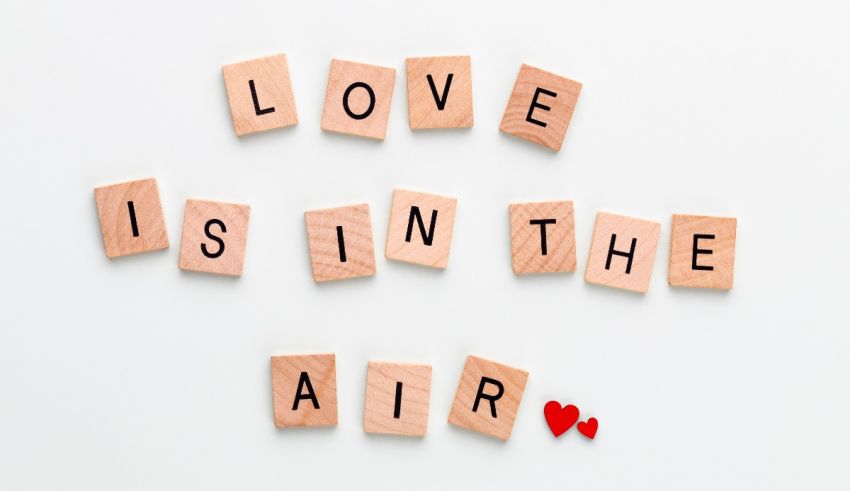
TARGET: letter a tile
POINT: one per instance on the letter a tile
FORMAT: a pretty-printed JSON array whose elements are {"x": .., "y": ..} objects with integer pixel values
[
  {"x": 543, "y": 238},
  {"x": 304, "y": 390},
  {"x": 439, "y": 92},
  {"x": 358, "y": 99},
  {"x": 488, "y": 397},
  {"x": 340, "y": 243},
  {"x": 131, "y": 219},
  {"x": 622, "y": 252},
  {"x": 260, "y": 94},
  {"x": 702, "y": 252},
  {"x": 397, "y": 399},
  {"x": 540, "y": 107},
  {"x": 214, "y": 237},
  {"x": 420, "y": 228}
]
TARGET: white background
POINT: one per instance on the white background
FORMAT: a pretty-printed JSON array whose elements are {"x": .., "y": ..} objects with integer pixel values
[{"x": 130, "y": 374}]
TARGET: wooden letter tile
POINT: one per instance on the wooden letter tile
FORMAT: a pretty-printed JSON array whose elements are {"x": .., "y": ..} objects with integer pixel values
[
  {"x": 488, "y": 397},
  {"x": 304, "y": 390},
  {"x": 439, "y": 92},
  {"x": 543, "y": 238},
  {"x": 622, "y": 252},
  {"x": 358, "y": 99},
  {"x": 214, "y": 237},
  {"x": 397, "y": 399},
  {"x": 131, "y": 219},
  {"x": 420, "y": 228},
  {"x": 702, "y": 252},
  {"x": 540, "y": 107},
  {"x": 340, "y": 242},
  {"x": 260, "y": 94}
]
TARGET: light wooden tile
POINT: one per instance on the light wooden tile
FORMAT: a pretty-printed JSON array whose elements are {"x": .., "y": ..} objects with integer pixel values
[
  {"x": 260, "y": 94},
  {"x": 304, "y": 390},
  {"x": 543, "y": 237},
  {"x": 702, "y": 252},
  {"x": 214, "y": 237},
  {"x": 131, "y": 219},
  {"x": 358, "y": 99},
  {"x": 439, "y": 92},
  {"x": 420, "y": 228},
  {"x": 540, "y": 107},
  {"x": 397, "y": 399},
  {"x": 488, "y": 397},
  {"x": 340, "y": 242},
  {"x": 622, "y": 252}
]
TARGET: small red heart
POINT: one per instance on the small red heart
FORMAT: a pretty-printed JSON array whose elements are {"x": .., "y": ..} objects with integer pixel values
[
  {"x": 560, "y": 419},
  {"x": 588, "y": 428}
]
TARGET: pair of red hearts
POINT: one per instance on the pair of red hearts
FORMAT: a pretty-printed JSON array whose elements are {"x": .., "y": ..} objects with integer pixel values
[{"x": 561, "y": 419}]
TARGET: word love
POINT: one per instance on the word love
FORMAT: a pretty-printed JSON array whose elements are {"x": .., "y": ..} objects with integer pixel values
[
  {"x": 421, "y": 226},
  {"x": 439, "y": 91},
  {"x": 560, "y": 419},
  {"x": 397, "y": 395}
]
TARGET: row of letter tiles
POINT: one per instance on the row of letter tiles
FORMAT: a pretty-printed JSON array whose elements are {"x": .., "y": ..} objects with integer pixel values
[
  {"x": 622, "y": 251},
  {"x": 397, "y": 395},
  {"x": 358, "y": 98}
]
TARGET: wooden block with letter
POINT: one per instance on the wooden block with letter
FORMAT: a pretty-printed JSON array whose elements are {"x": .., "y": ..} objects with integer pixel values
[
  {"x": 304, "y": 390},
  {"x": 541, "y": 107},
  {"x": 420, "y": 228},
  {"x": 702, "y": 252},
  {"x": 340, "y": 242},
  {"x": 358, "y": 99},
  {"x": 131, "y": 219},
  {"x": 439, "y": 92},
  {"x": 260, "y": 94},
  {"x": 622, "y": 252},
  {"x": 488, "y": 397},
  {"x": 214, "y": 237},
  {"x": 397, "y": 399},
  {"x": 543, "y": 237}
]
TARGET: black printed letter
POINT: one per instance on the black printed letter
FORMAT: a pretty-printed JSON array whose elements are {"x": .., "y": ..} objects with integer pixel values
[
  {"x": 441, "y": 101},
  {"x": 220, "y": 251},
  {"x": 368, "y": 111},
  {"x": 341, "y": 242},
  {"x": 397, "y": 410},
  {"x": 257, "y": 109},
  {"x": 491, "y": 398},
  {"x": 612, "y": 252},
  {"x": 427, "y": 238},
  {"x": 299, "y": 396},
  {"x": 697, "y": 250},
  {"x": 548, "y": 221},
  {"x": 535, "y": 104},
  {"x": 135, "y": 226}
]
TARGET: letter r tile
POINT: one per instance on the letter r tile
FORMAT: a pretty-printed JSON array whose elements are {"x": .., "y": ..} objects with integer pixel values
[
  {"x": 541, "y": 107},
  {"x": 488, "y": 397}
]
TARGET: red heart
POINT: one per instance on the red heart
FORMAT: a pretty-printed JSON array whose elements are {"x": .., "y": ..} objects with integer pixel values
[
  {"x": 589, "y": 428},
  {"x": 560, "y": 419}
]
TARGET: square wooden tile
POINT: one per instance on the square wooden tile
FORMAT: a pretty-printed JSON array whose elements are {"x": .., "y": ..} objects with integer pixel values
[
  {"x": 702, "y": 252},
  {"x": 304, "y": 390},
  {"x": 622, "y": 252},
  {"x": 543, "y": 237},
  {"x": 340, "y": 242},
  {"x": 260, "y": 94},
  {"x": 358, "y": 99},
  {"x": 540, "y": 107},
  {"x": 214, "y": 237},
  {"x": 397, "y": 399},
  {"x": 439, "y": 92},
  {"x": 488, "y": 397},
  {"x": 131, "y": 219},
  {"x": 420, "y": 228}
]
